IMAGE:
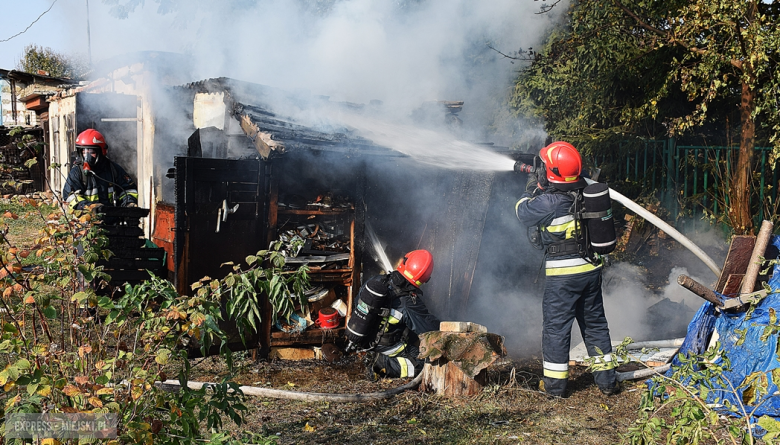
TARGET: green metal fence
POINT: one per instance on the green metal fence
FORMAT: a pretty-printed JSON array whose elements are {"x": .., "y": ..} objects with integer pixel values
[{"x": 689, "y": 179}]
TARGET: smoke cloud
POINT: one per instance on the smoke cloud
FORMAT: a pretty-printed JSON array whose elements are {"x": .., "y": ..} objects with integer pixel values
[
  {"x": 399, "y": 56},
  {"x": 402, "y": 53}
]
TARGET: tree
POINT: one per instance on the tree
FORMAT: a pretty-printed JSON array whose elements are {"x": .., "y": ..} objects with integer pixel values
[
  {"x": 37, "y": 58},
  {"x": 668, "y": 67}
]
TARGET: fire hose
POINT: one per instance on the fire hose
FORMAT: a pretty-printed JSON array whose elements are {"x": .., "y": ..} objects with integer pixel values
[{"x": 173, "y": 385}]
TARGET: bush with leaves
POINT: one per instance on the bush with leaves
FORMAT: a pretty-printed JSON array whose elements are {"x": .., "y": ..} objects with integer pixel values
[
  {"x": 67, "y": 349},
  {"x": 689, "y": 406}
]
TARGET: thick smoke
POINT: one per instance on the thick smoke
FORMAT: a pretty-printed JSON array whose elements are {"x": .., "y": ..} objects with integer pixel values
[
  {"x": 402, "y": 53},
  {"x": 402, "y": 57}
]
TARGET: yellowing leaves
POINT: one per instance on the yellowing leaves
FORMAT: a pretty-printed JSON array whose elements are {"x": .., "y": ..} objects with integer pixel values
[
  {"x": 71, "y": 390},
  {"x": 104, "y": 391},
  {"x": 83, "y": 350},
  {"x": 82, "y": 379}
]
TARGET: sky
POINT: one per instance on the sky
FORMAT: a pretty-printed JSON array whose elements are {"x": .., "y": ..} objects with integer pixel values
[{"x": 49, "y": 31}]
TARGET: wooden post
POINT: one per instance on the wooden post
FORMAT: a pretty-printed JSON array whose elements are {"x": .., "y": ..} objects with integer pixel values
[{"x": 749, "y": 282}]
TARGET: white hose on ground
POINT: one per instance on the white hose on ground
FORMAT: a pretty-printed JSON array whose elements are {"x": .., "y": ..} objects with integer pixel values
[
  {"x": 306, "y": 396},
  {"x": 671, "y": 343},
  {"x": 642, "y": 373},
  {"x": 658, "y": 222}
]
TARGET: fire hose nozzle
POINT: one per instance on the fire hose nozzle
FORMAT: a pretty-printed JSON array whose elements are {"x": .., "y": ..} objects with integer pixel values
[{"x": 521, "y": 167}]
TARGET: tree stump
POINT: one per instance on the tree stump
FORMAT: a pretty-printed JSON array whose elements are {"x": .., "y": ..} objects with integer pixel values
[{"x": 458, "y": 358}]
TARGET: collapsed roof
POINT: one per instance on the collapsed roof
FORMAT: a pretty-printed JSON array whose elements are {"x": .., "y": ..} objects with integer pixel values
[{"x": 277, "y": 121}]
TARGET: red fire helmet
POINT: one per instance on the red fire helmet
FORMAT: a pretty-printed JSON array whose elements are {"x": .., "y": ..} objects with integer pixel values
[
  {"x": 417, "y": 267},
  {"x": 91, "y": 138},
  {"x": 563, "y": 162}
]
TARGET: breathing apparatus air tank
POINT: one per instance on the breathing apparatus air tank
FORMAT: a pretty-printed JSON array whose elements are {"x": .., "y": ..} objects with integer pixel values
[
  {"x": 597, "y": 215},
  {"x": 363, "y": 324}
]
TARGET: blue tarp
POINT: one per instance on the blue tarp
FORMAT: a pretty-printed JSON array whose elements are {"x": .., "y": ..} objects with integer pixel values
[{"x": 756, "y": 351}]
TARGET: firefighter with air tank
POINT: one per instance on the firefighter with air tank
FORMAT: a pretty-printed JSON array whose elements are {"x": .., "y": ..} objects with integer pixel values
[
  {"x": 571, "y": 222},
  {"x": 389, "y": 317},
  {"x": 97, "y": 181}
]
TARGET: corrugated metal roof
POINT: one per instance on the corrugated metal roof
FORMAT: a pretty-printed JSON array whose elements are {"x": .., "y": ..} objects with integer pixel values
[{"x": 266, "y": 116}]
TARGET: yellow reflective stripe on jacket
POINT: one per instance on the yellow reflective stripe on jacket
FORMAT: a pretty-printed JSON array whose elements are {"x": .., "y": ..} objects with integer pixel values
[
  {"x": 604, "y": 363},
  {"x": 565, "y": 226},
  {"x": 556, "y": 370},
  {"x": 132, "y": 193},
  {"x": 395, "y": 316},
  {"x": 520, "y": 202},
  {"x": 570, "y": 270}
]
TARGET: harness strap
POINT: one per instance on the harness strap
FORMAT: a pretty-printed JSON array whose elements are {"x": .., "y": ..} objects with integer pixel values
[{"x": 565, "y": 247}]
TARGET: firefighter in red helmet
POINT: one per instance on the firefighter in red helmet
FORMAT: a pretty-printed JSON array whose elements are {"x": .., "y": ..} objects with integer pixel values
[
  {"x": 389, "y": 317},
  {"x": 97, "y": 181},
  {"x": 573, "y": 281}
]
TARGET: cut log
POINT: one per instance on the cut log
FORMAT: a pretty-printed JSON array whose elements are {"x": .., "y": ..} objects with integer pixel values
[
  {"x": 447, "y": 379},
  {"x": 699, "y": 289},
  {"x": 292, "y": 353},
  {"x": 458, "y": 361}
]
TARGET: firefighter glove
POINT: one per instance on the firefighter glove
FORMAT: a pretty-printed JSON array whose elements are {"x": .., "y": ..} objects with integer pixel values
[{"x": 532, "y": 183}]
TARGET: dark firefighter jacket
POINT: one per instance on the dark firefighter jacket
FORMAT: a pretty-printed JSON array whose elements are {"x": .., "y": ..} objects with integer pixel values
[
  {"x": 112, "y": 186},
  {"x": 550, "y": 211},
  {"x": 408, "y": 317}
]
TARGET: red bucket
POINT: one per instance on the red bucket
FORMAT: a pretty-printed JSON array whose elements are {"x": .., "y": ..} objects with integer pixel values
[{"x": 328, "y": 318}]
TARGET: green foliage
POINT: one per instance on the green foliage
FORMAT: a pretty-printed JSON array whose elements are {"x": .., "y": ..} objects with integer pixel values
[
  {"x": 662, "y": 68},
  {"x": 690, "y": 406},
  {"x": 45, "y": 59},
  {"x": 612, "y": 70},
  {"x": 68, "y": 349},
  {"x": 243, "y": 290}
]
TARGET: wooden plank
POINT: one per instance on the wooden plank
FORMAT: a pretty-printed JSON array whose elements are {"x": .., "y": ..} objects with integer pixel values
[
  {"x": 461, "y": 326},
  {"x": 292, "y": 353},
  {"x": 309, "y": 336},
  {"x": 733, "y": 283},
  {"x": 737, "y": 259},
  {"x": 122, "y": 276},
  {"x": 143, "y": 254}
]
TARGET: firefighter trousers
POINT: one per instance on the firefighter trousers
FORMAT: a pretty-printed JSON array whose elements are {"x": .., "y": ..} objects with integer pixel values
[
  {"x": 404, "y": 364},
  {"x": 566, "y": 298}
]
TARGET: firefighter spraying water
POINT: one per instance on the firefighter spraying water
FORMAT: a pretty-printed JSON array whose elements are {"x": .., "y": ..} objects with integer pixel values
[
  {"x": 389, "y": 317},
  {"x": 572, "y": 222}
]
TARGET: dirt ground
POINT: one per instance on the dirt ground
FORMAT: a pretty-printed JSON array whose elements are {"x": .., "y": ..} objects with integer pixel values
[{"x": 510, "y": 409}]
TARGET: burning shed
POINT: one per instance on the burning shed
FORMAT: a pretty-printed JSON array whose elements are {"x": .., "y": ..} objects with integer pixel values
[{"x": 227, "y": 166}]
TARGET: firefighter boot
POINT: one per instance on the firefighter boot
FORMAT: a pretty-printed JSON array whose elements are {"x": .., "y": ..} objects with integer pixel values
[{"x": 368, "y": 361}]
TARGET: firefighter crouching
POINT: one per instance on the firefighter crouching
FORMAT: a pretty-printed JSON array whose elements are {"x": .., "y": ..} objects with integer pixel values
[
  {"x": 390, "y": 315},
  {"x": 97, "y": 181},
  {"x": 573, "y": 277}
]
